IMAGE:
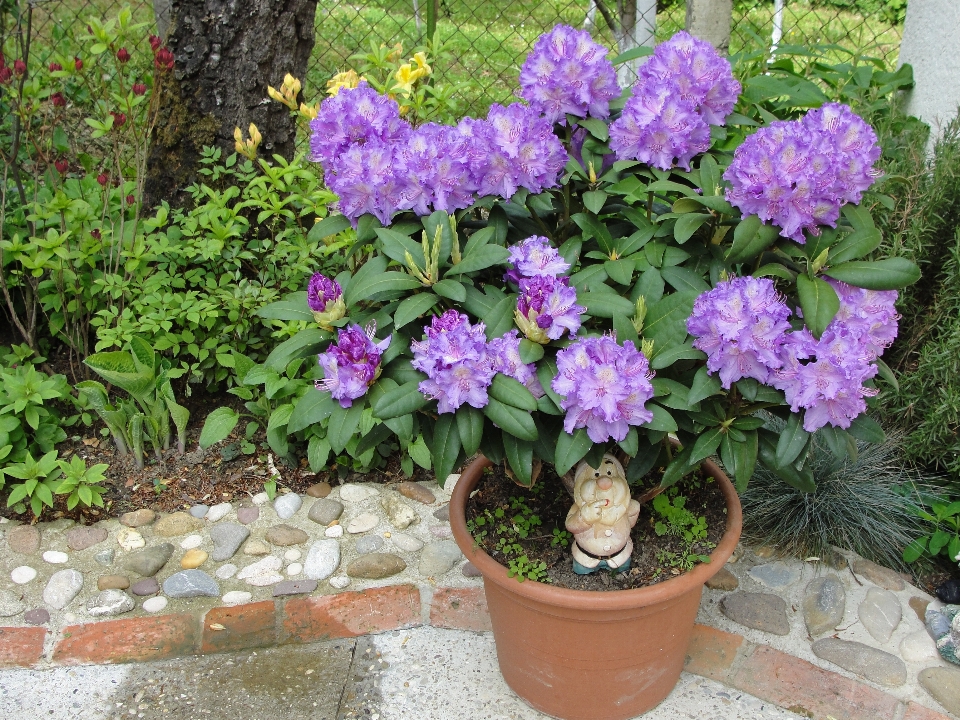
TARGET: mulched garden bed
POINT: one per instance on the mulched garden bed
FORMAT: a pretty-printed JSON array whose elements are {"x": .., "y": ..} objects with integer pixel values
[{"x": 550, "y": 502}]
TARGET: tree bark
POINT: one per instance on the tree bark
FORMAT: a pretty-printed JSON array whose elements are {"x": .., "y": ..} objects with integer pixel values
[{"x": 226, "y": 53}]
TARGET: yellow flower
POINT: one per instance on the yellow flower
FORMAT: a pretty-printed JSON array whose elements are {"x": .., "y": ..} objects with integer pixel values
[
  {"x": 420, "y": 59},
  {"x": 247, "y": 148},
  {"x": 309, "y": 111},
  {"x": 288, "y": 91},
  {"x": 406, "y": 76},
  {"x": 396, "y": 53},
  {"x": 347, "y": 79}
]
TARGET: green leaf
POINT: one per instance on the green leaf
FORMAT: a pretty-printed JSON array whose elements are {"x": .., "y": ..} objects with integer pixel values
[
  {"x": 865, "y": 428},
  {"x": 396, "y": 245},
  {"x": 802, "y": 480},
  {"x": 631, "y": 443},
  {"x": 632, "y": 54},
  {"x": 706, "y": 445},
  {"x": 740, "y": 458},
  {"x": 750, "y": 238},
  {"x": 530, "y": 352},
  {"x": 480, "y": 259},
  {"x": 855, "y": 245},
  {"x": 512, "y": 392},
  {"x": 520, "y": 458},
  {"x": 593, "y": 228},
  {"x": 669, "y": 356},
  {"x": 118, "y": 368},
  {"x": 343, "y": 424},
  {"x": 500, "y": 319},
  {"x": 887, "y": 374},
  {"x": 793, "y": 439},
  {"x": 384, "y": 286},
  {"x": 313, "y": 408},
  {"x": 684, "y": 279},
  {"x": 687, "y": 225},
  {"x": 446, "y": 446},
  {"x": 368, "y": 272},
  {"x": 620, "y": 271},
  {"x": 412, "y": 308},
  {"x": 518, "y": 423},
  {"x": 470, "y": 426},
  {"x": 420, "y": 453},
  {"x": 679, "y": 467},
  {"x": 819, "y": 302},
  {"x": 666, "y": 321},
  {"x": 913, "y": 551},
  {"x": 402, "y": 400},
  {"x": 598, "y": 128},
  {"x": 218, "y": 426},
  {"x": 377, "y": 434},
  {"x": 330, "y": 225},
  {"x": 662, "y": 420},
  {"x": 451, "y": 289},
  {"x": 709, "y": 176},
  {"x": 318, "y": 450},
  {"x": 704, "y": 385},
  {"x": 605, "y": 305},
  {"x": 292, "y": 307},
  {"x": 593, "y": 200},
  {"x": 305, "y": 343},
  {"x": 888, "y": 274},
  {"x": 571, "y": 449}
]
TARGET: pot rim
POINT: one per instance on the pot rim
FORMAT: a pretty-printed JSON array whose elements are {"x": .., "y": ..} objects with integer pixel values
[{"x": 493, "y": 571}]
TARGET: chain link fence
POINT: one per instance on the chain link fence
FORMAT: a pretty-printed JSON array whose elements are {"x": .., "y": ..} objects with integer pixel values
[{"x": 485, "y": 43}]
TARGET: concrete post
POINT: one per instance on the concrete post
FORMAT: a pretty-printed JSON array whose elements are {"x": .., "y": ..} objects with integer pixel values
[
  {"x": 931, "y": 44},
  {"x": 710, "y": 20}
]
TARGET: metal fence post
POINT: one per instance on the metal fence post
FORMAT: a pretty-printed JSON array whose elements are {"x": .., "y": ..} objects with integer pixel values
[
  {"x": 432, "y": 11},
  {"x": 931, "y": 45}
]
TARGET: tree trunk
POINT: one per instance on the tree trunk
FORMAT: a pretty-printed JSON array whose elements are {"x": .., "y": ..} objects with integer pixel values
[{"x": 226, "y": 54}]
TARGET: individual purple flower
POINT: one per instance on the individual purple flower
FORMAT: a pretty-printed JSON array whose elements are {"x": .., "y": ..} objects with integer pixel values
[
  {"x": 798, "y": 174},
  {"x": 504, "y": 354},
  {"x": 740, "y": 325},
  {"x": 455, "y": 359},
  {"x": 695, "y": 71},
  {"x": 546, "y": 308},
  {"x": 567, "y": 73},
  {"x": 325, "y": 300},
  {"x": 535, "y": 256},
  {"x": 352, "y": 364},
  {"x": 354, "y": 116},
  {"x": 363, "y": 178},
  {"x": 660, "y": 128},
  {"x": 434, "y": 168},
  {"x": 868, "y": 315},
  {"x": 513, "y": 148},
  {"x": 605, "y": 387}
]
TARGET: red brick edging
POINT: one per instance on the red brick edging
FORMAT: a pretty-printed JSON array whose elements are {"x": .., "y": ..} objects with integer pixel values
[{"x": 769, "y": 674}]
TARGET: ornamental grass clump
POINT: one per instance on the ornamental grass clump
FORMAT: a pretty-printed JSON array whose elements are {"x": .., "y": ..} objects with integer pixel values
[{"x": 568, "y": 277}]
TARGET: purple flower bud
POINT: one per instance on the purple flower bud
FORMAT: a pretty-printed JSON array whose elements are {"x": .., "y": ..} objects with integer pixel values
[
  {"x": 547, "y": 307},
  {"x": 352, "y": 364},
  {"x": 605, "y": 387},
  {"x": 325, "y": 300}
]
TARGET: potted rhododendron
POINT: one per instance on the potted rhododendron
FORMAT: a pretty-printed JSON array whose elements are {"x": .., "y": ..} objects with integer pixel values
[{"x": 628, "y": 279}]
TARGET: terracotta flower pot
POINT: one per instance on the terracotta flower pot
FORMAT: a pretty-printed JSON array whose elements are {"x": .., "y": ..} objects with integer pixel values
[{"x": 581, "y": 655}]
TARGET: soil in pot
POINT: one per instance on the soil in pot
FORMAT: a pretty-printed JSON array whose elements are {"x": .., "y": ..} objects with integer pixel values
[{"x": 523, "y": 529}]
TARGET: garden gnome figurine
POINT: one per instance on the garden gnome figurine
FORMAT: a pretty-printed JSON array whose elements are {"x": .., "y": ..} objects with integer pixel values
[{"x": 601, "y": 518}]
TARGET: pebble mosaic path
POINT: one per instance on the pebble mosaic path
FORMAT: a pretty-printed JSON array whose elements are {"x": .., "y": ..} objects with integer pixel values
[{"x": 848, "y": 641}]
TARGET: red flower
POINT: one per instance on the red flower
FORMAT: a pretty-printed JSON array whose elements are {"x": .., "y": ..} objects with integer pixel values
[
  {"x": 155, "y": 43},
  {"x": 5, "y": 75},
  {"x": 55, "y": 67},
  {"x": 96, "y": 234},
  {"x": 139, "y": 89},
  {"x": 77, "y": 64},
  {"x": 163, "y": 60},
  {"x": 118, "y": 118},
  {"x": 102, "y": 179},
  {"x": 58, "y": 100},
  {"x": 62, "y": 166},
  {"x": 122, "y": 55},
  {"x": 19, "y": 67},
  {"x": 131, "y": 200}
]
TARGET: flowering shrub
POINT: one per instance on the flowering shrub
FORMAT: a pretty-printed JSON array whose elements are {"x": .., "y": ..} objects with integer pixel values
[{"x": 565, "y": 278}]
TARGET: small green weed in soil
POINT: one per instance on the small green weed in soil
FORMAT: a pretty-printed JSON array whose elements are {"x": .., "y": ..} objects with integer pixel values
[{"x": 524, "y": 530}]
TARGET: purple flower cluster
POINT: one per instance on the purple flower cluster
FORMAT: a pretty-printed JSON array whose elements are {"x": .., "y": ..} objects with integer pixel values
[
  {"x": 434, "y": 167},
  {"x": 456, "y": 361},
  {"x": 567, "y": 73},
  {"x": 681, "y": 90},
  {"x": 830, "y": 386},
  {"x": 533, "y": 257},
  {"x": 547, "y": 307},
  {"x": 798, "y": 174},
  {"x": 740, "y": 325},
  {"x": 354, "y": 117},
  {"x": 605, "y": 387},
  {"x": 352, "y": 364},
  {"x": 504, "y": 353}
]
